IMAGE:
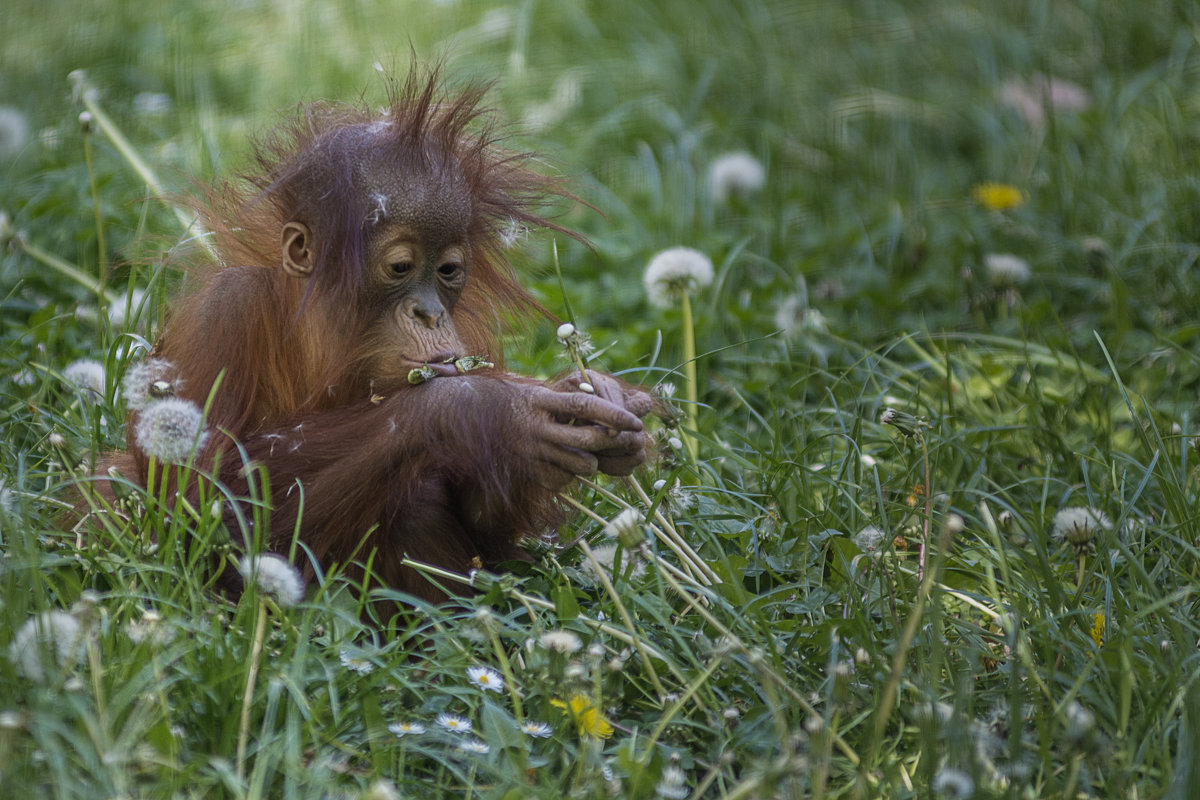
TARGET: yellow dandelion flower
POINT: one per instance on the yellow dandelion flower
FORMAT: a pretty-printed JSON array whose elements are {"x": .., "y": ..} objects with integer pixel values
[
  {"x": 997, "y": 196},
  {"x": 1097, "y": 630},
  {"x": 586, "y": 716}
]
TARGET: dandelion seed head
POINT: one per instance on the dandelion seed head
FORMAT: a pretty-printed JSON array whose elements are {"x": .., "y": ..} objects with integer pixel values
[
  {"x": 14, "y": 131},
  {"x": 125, "y": 306},
  {"x": 1079, "y": 526},
  {"x": 953, "y": 783},
  {"x": 141, "y": 385},
  {"x": 735, "y": 174},
  {"x": 402, "y": 729},
  {"x": 565, "y": 642},
  {"x": 1006, "y": 270},
  {"x": 626, "y": 528},
  {"x": 1080, "y": 721},
  {"x": 381, "y": 789},
  {"x": 486, "y": 678},
  {"x": 55, "y": 634},
  {"x": 453, "y": 723},
  {"x": 870, "y": 539},
  {"x": 605, "y": 556},
  {"x": 274, "y": 577},
  {"x": 86, "y": 373},
  {"x": 793, "y": 315},
  {"x": 171, "y": 429},
  {"x": 672, "y": 783},
  {"x": 674, "y": 272}
]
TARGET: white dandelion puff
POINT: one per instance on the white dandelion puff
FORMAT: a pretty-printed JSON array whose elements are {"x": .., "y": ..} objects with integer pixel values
[
  {"x": 672, "y": 784},
  {"x": 53, "y": 634},
  {"x": 381, "y": 789},
  {"x": 1005, "y": 269},
  {"x": 626, "y": 528},
  {"x": 453, "y": 723},
  {"x": 274, "y": 576},
  {"x": 953, "y": 783},
  {"x": 86, "y": 373},
  {"x": 674, "y": 272},
  {"x": 1078, "y": 526},
  {"x": 406, "y": 728},
  {"x": 605, "y": 558},
  {"x": 735, "y": 174},
  {"x": 869, "y": 539},
  {"x": 486, "y": 678},
  {"x": 14, "y": 131},
  {"x": 171, "y": 429},
  {"x": 565, "y": 642},
  {"x": 146, "y": 381},
  {"x": 125, "y": 307}
]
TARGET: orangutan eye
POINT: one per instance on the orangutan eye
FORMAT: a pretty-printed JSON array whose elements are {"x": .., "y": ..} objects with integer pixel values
[
  {"x": 401, "y": 268},
  {"x": 448, "y": 270}
]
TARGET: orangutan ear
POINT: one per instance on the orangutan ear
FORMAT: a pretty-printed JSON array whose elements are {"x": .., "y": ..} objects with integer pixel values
[{"x": 297, "y": 250}]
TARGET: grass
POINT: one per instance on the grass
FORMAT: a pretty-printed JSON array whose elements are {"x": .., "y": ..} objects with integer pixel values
[{"x": 827, "y": 659}]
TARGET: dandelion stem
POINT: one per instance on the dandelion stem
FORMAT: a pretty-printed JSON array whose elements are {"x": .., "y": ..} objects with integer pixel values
[
  {"x": 260, "y": 630},
  {"x": 887, "y": 701},
  {"x": 928, "y": 507},
  {"x": 689, "y": 373},
  {"x": 509, "y": 677},
  {"x": 101, "y": 272},
  {"x": 142, "y": 169}
]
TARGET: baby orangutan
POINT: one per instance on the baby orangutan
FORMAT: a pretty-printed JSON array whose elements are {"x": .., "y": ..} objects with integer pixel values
[{"x": 363, "y": 250}]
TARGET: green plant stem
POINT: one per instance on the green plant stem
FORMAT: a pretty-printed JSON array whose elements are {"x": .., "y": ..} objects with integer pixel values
[
  {"x": 509, "y": 677},
  {"x": 101, "y": 272},
  {"x": 689, "y": 374},
  {"x": 887, "y": 701},
  {"x": 260, "y": 630},
  {"x": 143, "y": 170}
]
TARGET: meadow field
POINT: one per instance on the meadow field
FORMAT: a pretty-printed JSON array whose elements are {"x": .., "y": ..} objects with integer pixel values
[{"x": 927, "y": 526}]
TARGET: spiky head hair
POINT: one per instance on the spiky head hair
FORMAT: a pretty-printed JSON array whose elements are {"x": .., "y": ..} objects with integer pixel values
[{"x": 337, "y": 168}]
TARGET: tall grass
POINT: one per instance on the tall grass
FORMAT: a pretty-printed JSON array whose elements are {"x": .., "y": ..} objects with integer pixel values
[{"x": 819, "y": 655}]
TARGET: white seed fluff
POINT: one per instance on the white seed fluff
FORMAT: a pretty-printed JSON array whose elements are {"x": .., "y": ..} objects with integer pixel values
[
  {"x": 171, "y": 429},
  {"x": 274, "y": 576},
  {"x": 138, "y": 387},
  {"x": 674, "y": 272},
  {"x": 86, "y": 373},
  {"x": 735, "y": 174},
  {"x": 564, "y": 642},
  {"x": 56, "y": 634},
  {"x": 1005, "y": 269}
]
